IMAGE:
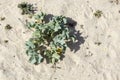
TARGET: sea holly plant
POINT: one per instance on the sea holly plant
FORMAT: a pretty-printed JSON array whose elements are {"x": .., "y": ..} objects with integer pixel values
[
  {"x": 26, "y": 8},
  {"x": 49, "y": 39}
]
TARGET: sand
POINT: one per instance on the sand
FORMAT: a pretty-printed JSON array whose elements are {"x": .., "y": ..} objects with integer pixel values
[{"x": 86, "y": 60}]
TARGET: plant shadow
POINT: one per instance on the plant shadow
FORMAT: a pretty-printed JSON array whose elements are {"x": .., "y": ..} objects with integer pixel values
[
  {"x": 48, "y": 18},
  {"x": 74, "y": 46}
]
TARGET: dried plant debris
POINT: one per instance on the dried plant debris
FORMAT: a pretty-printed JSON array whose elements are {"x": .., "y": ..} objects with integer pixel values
[
  {"x": 98, "y": 13},
  {"x": 5, "y": 41},
  {"x": 8, "y": 27},
  {"x": 26, "y": 8},
  {"x": 111, "y": 1},
  {"x": 2, "y": 18},
  {"x": 119, "y": 11},
  {"x": 30, "y": 16},
  {"x": 81, "y": 26},
  {"x": 98, "y": 43},
  {"x": 115, "y": 1}
]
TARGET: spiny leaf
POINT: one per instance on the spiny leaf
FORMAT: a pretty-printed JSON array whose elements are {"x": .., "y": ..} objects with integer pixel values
[
  {"x": 32, "y": 60},
  {"x": 40, "y": 16},
  {"x": 39, "y": 59},
  {"x": 30, "y": 44},
  {"x": 56, "y": 56}
]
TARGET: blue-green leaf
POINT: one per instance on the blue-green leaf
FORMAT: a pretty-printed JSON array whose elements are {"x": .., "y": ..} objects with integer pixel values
[{"x": 32, "y": 59}]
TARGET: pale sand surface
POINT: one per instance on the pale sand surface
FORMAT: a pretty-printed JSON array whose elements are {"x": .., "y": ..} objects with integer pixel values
[{"x": 87, "y": 62}]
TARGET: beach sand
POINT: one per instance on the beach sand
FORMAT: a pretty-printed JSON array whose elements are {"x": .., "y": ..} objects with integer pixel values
[{"x": 95, "y": 56}]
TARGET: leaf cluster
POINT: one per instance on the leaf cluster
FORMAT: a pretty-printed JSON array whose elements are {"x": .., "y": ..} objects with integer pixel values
[
  {"x": 98, "y": 14},
  {"x": 26, "y": 8},
  {"x": 49, "y": 39}
]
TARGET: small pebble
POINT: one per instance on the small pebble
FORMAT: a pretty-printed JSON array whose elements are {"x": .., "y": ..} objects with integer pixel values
[
  {"x": 2, "y": 18},
  {"x": 5, "y": 41}
]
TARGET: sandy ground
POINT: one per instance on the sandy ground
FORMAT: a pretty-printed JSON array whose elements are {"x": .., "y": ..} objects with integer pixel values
[{"x": 87, "y": 60}]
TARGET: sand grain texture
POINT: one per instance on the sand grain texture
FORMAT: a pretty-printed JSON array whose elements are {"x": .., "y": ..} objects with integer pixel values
[{"x": 88, "y": 61}]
